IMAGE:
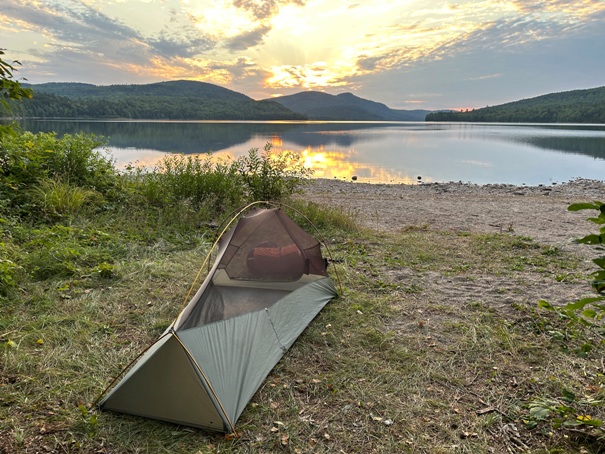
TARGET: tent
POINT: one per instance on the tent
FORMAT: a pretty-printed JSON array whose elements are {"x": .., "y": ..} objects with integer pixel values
[{"x": 267, "y": 284}]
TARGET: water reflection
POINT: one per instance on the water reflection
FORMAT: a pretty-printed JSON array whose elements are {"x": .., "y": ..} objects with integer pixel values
[
  {"x": 375, "y": 152},
  {"x": 200, "y": 137},
  {"x": 324, "y": 163}
]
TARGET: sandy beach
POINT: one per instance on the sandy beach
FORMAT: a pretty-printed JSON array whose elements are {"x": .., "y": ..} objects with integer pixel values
[{"x": 538, "y": 212}]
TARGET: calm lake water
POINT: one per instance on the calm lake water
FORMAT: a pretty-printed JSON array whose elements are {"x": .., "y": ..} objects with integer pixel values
[{"x": 397, "y": 152}]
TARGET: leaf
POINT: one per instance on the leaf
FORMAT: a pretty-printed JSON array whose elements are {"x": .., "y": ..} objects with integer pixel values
[
  {"x": 573, "y": 423},
  {"x": 593, "y": 422},
  {"x": 599, "y": 261},
  {"x": 583, "y": 206},
  {"x": 599, "y": 220},
  {"x": 568, "y": 395},
  {"x": 599, "y": 285},
  {"x": 539, "y": 413},
  {"x": 591, "y": 239},
  {"x": 285, "y": 439},
  {"x": 589, "y": 313},
  {"x": 546, "y": 305},
  {"x": 578, "y": 305},
  {"x": 83, "y": 410},
  {"x": 530, "y": 424}
]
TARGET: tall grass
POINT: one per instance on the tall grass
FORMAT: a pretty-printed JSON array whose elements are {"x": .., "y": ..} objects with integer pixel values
[{"x": 57, "y": 198}]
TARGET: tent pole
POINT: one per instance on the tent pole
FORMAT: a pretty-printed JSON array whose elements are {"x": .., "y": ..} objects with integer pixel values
[{"x": 206, "y": 260}]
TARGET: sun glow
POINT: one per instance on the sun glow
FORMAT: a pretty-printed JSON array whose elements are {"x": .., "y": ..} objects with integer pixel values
[
  {"x": 323, "y": 163},
  {"x": 316, "y": 75},
  {"x": 222, "y": 20}
]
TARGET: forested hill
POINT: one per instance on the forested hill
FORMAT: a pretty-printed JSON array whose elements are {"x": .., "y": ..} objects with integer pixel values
[
  {"x": 176, "y": 100},
  {"x": 577, "y": 106},
  {"x": 345, "y": 107}
]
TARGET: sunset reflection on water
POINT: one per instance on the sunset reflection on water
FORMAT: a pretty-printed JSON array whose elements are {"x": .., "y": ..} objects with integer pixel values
[
  {"x": 324, "y": 163},
  {"x": 391, "y": 152}
]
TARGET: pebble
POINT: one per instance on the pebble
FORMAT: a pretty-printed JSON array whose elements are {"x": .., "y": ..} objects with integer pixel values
[{"x": 577, "y": 188}]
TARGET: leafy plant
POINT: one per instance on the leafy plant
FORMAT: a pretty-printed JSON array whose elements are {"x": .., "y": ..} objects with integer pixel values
[
  {"x": 567, "y": 411},
  {"x": 10, "y": 89},
  {"x": 588, "y": 311},
  {"x": 268, "y": 176},
  {"x": 8, "y": 269},
  {"x": 58, "y": 198},
  {"x": 30, "y": 160}
]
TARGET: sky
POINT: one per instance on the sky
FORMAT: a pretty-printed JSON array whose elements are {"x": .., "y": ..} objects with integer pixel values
[{"x": 407, "y": 54}]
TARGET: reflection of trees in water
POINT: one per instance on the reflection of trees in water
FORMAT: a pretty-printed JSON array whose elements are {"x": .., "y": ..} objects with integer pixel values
[
  {"x": 591, "y": 146},
  {"x": 170, "y": 137},
  {"x": 179, "y": 137},
  {"x": 585, "y": 145}
]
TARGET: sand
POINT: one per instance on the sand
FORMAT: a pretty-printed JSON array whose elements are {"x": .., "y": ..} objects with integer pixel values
[{"x": 539, "y": 213}]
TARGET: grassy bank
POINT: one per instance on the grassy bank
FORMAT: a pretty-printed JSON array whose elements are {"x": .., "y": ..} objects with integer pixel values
[{"x": 395, "y": 364}]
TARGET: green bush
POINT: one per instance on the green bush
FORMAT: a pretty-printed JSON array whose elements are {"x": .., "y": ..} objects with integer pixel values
[
  {"x": 195, "y": 182},
  {"x": 193, "y": 179},
  {"x": 29, "y": 160},
  {"x": 270, "y": 177},
  {"x": 8, "y": 268}
]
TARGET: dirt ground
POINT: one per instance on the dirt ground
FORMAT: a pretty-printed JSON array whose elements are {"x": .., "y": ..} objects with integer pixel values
[{"x": 539, "y": 213}]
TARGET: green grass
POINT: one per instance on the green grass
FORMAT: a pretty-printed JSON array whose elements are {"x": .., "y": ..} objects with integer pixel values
[
  {"x": 381, "y": 369},
  {"x": 435, "y": 344}
]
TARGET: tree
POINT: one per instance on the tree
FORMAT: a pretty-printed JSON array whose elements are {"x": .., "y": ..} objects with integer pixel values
[{"x": 10, "y": 89}]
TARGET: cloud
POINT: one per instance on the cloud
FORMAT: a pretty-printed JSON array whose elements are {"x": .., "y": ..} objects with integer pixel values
[
  {"x": 464, "y": 54},
  {"x": 248, "y": 39},
  {"x": 558, "y": 6},
  {"x": 78, "y": 38},
  {"x": 264, "y": 9},
  {"x": 77, "y": 24},
  {"x": 483, "y": 74}
]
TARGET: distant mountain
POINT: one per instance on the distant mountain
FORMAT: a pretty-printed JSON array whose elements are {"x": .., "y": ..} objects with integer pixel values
[
  {"x": 345, "y": 107},
  {"x": 577, "y": 106},
  {"x": 177, "y": 100}
]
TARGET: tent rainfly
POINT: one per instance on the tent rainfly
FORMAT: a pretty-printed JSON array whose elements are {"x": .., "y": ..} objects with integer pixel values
[{"x": 267, "y": 284}]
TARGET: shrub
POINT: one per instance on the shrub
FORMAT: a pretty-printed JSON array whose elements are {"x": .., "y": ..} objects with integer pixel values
[
  {"x": 588, "y": 311},
  {"x": 270, "y": 177},
  {"x": 194, "y": 182},
  {"x": 197, "y": 180},
  {"x": 29, "y": 160},
  {"x": 7, "y": 275}
]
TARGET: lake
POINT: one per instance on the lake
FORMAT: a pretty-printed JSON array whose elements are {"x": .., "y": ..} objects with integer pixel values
[{"x": 395, "y": 152}]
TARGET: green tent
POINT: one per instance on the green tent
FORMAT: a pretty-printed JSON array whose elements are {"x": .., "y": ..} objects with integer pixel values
[{"x": 268, "y": 282}]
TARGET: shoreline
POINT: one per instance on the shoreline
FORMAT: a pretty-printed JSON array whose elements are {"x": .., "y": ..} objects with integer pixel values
[{"x": 539, "y": 212}]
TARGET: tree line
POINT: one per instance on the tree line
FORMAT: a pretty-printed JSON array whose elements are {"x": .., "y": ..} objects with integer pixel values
[
  {"x": 578, "y": 106},
  {"x": 46, "y": 105}
]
